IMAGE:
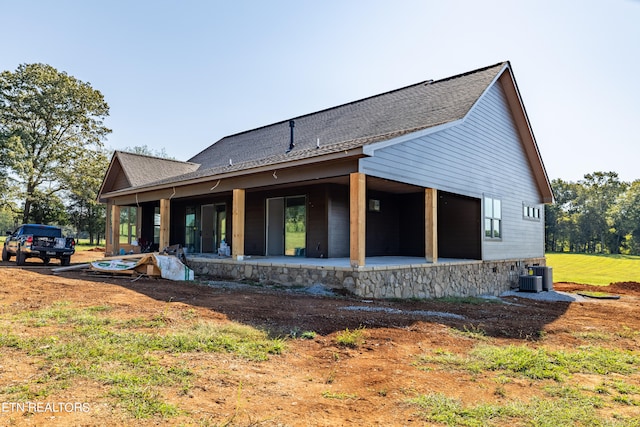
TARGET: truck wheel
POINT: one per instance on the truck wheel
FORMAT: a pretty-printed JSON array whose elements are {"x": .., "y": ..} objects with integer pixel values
[
  {"x": 5, "y": 255},
  {"x": 20, "y": 258},
  {"x": 46, "y": 260},
  {"x": 64, "y": 261}
]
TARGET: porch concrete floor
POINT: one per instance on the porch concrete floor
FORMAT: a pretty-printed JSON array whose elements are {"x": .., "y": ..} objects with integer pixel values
[{"x": 380, "y": 261}]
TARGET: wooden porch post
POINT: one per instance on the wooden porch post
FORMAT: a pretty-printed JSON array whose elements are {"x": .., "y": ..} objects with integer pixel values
[
  {"x": 165, "y": 217},
  {"x": 115, "y": 229},
  {"x": 237, "y": 224},
  {"x": 431, "y": 224},
  {"x": 357, "y": 218},
  {"x": 108, "y": 229}
]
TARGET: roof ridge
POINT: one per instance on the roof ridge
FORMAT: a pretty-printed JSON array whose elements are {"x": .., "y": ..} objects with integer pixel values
[
  {"x": 154, "y": 157},
  {"x": 428, "y": 81},
  {"x": 479, "y": 70}
]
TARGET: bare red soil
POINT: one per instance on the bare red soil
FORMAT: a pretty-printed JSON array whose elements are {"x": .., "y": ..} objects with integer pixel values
[{"x": 317, "y": 381}]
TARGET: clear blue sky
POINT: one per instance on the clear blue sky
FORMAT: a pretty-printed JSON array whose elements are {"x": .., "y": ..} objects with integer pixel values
[{"x": 179, "y": 75}]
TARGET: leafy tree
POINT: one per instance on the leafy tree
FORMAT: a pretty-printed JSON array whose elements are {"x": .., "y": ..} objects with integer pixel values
[
  {"x": 85, "y": 212},
  {"x": 7, "y": 221},
  {"x": 598, "y": 193},
  {"x": 625, "y": 218},
  {"x": 47, "y": 120},
  {"x": 146, "y": 151},
  {"x": 597, "y": 214},
  {"x": 560, "y": 217},
  {"x": 48, "y": 209}
]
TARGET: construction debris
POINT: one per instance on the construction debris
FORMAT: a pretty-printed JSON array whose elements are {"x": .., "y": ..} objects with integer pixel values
[
  {"x": 71, "y": 267},
  {"x": 151, "y": 264},
  {"x": 147, "y": 264}
]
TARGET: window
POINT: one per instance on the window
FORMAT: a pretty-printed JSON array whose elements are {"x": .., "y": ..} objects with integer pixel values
[
  {"x": 191, "y": 230},
  {"x": 530, "y": 212},
  {"x": 492, "y": 218},
  {"x": 128, "y": 224},
  {"x": 156, "y": 225},
  {"x": 295, "y": 226}
]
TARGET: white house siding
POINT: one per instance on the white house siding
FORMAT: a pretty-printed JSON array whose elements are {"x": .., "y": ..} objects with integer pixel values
[{"x": 482, "y": 155}]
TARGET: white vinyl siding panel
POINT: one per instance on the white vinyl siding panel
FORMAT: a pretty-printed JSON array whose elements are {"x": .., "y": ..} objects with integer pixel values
[{"x": 483, "y": 155}]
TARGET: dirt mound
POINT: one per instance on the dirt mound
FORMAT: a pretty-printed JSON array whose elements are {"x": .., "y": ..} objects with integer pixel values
[{"x": 623, "y": 288}]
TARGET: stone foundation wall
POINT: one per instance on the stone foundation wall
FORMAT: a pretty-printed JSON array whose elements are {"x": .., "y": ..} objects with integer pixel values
[{"x": 463, "y": 278}]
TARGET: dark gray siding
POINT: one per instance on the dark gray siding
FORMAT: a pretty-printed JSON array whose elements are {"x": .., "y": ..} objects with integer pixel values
[
  {"x": 316, "y": 222},
  {"x": 459, "y": 222},
  {"x": 338, "y": 221},
  {"x": 481, "y": 155},
  {"x": 254, "y": 226},
  {"x": 383, "y": 227}
]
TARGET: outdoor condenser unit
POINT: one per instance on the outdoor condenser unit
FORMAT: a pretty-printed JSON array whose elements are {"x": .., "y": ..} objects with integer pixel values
[
  {"x": 531, "y": 283},
  {"x": 547, "y": 277}
]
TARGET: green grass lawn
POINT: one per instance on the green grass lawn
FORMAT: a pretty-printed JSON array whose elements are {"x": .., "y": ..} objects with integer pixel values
[{"x": 594, "y": 269}]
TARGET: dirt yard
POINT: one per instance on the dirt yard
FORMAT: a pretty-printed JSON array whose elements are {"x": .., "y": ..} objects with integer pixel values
[{"x": 314, "y": 381}]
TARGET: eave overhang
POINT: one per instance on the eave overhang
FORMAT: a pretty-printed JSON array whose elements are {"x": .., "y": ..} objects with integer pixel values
[{"x": 235, "y": 172}]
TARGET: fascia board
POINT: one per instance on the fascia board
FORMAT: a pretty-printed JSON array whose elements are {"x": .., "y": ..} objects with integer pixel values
[
  {"x": 353, "y": 152},
  {"x": 370, "y": 149}
]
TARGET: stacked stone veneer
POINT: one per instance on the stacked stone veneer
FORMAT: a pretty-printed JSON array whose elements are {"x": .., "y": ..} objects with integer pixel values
[{"x": 460, "y": 278}]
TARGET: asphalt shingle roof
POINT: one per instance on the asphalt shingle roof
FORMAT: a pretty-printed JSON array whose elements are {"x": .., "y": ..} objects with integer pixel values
[
  {"x": 353, "y": 125},
  {"x": 404, "y": 110},
  {"x": 142, "y": 170}
]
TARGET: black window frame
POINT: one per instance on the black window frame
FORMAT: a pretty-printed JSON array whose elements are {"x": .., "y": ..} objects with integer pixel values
[{"x": 531, "y": 212}]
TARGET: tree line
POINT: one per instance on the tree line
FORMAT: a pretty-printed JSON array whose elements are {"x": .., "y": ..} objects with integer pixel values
[{"x": 597, "y": 214}]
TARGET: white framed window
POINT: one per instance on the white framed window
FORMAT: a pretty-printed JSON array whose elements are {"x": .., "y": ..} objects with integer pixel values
[
  {"x": 156, "y": 225},
  {"x": 492, "y": 218},
  {"x": 530, "y": 212}
]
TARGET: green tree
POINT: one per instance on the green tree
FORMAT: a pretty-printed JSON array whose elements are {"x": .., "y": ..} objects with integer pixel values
[
  {"x": 146, "y": 151},
  {"x": 625, "y": 218},
  {"x": 85, "y": 212},
  {"x": 47, "y": 120},
  {"x": 48, "y": 209},
  {"x": 597, "y": 195},
  {"x": 561, "y": 217},
  {"x": 7, "y": 220}
]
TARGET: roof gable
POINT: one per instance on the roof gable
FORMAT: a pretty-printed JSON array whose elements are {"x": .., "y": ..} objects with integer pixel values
[
  {"x": 507, "y": 81},
  {"x": 130, "y": 170},
  {"x": 523, "y": 126}
]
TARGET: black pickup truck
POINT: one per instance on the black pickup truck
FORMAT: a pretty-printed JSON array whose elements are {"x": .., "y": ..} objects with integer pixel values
[{"x": 38, "y": 241}]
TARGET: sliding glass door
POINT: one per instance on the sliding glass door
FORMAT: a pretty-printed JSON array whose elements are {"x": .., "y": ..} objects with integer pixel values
[{"x": 286, "y": 226}]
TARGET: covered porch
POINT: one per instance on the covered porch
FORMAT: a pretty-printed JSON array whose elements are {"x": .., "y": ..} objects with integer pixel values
[{"x": 352, "y": 217}]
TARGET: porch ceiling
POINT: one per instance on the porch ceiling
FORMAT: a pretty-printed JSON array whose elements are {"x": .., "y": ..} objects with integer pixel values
[
  {"x": 393, "y": 187},
  {"x": 373, "y": 183}
]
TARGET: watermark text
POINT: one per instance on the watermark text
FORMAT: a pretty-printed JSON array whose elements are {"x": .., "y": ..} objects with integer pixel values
[{"x": 37, "y": 407}]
